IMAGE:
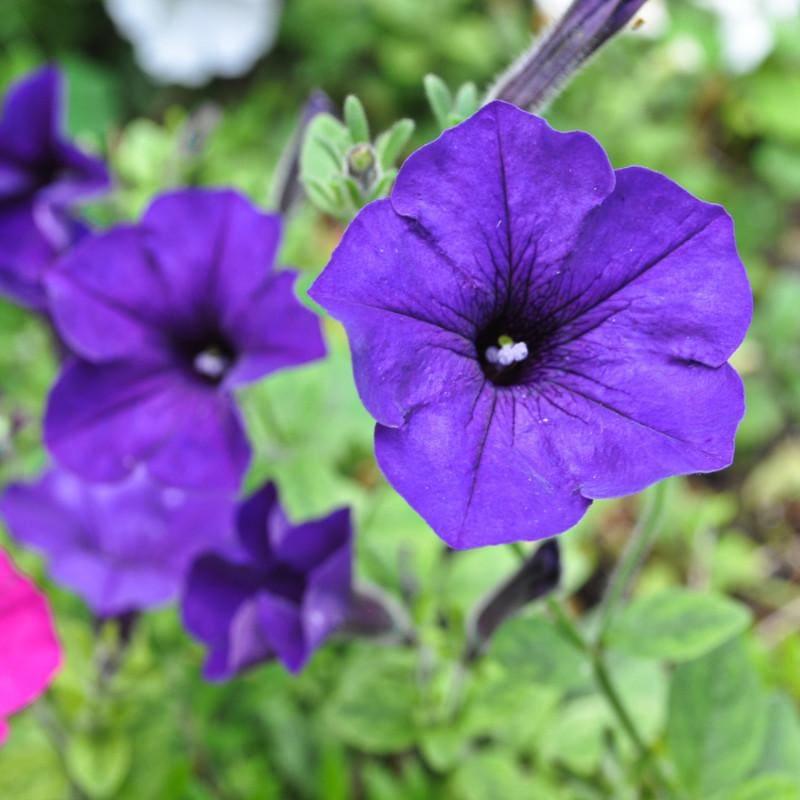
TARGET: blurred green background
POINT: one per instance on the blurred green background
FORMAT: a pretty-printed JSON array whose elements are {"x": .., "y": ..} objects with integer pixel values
[{"x": 391, "y": 722}]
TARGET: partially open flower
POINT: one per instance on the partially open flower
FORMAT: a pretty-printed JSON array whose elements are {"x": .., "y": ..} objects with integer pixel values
[
  {"x": 279, "y": 594},
  {"x": 42, "y": 175},
  {"x": 165, "y": 319},
  {"x": 533, "y": 330},
  {"x": 30, "y": 654},
  {"x": 122, "y": 547}
]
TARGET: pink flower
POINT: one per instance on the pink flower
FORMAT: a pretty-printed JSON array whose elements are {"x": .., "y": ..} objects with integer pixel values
[{"x": 30, "y": 653}]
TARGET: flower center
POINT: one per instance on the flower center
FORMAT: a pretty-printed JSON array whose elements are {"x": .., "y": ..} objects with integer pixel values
[
  {"x": 506, "y": 352},
  {"x": 212, "y": 363}
]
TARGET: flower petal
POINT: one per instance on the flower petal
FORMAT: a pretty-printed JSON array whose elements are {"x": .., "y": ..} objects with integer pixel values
[
  {"x": 282, "y": 627},
  {"x": 617, "y": 438},
  {"x": 663, "y": 266},
  {"x": 31, "y": 652},
  {"x": 410, "y": 313},
  {"x": 459, "y": 465},
  {"x": 504, "y": 187},
  {"x": 207, "y": 446},
  {"x": 31, "y": 116},
  {"x": 309, "y": 544},
  {"x": 215, "y": 591},
  {"x": 327, "y": 599},
  {"x": 101, "y": 420},
  {"x": 107, "y": 297},
  {"x": 271, "y": 330},
  {"x": 201, "y": 238}
]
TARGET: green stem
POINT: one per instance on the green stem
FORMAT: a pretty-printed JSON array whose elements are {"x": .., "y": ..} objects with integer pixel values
[
  {"x": 605, "y": 685},
  {"x": 639, "y": 545}
]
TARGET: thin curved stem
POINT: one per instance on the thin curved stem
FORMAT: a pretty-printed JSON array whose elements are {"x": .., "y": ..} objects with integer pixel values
[{"x": 639, "y": 544}]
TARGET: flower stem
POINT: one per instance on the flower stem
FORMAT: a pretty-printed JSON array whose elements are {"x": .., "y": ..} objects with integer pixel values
[
  {"x": 605, "y": 685},
  {"x": 639, "y": 545}
]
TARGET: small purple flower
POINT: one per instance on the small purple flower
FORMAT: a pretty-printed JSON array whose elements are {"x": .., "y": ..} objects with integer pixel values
[
  {"x": 165, "y": 319},
  {"x": 41, "y": 176},
  {"x": 533, "y": 330},
  {"x": 122, "y": 547},
  {"x": 281, "y": 593}
]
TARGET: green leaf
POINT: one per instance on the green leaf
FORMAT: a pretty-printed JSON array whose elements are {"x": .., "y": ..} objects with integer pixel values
[
  {"x": 767, "y": 787},
  {"x": 98, "y": 764},
  {"x": 781, "y": 751},
  {"x": 491, "y": 775},
  {"x": 439, "y": 97},
  {"x": 373, "y": 708},
  {"x": 390, "y": 144},
  {"x": 356, "y": 119},
  {"x": 467, "y": 100},
  {"x": 717, "y": 720},
  {"x": 532, "y": 650},
  {"x": 677, "y": 625}
]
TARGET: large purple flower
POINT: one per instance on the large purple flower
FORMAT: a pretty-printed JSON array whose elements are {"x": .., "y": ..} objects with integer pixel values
[
  {"x": 532, "y": 330},
  {"x": 41, "y": 176},
  {"x": 165, "y": 318},
  {"x": 279, "y": 594},
  {"x": 122, "y": 547}
]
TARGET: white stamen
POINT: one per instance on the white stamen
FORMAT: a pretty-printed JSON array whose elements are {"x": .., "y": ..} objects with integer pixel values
[
  {"x": 211, "y": 364},
  {"x": 507, "y": 354}
]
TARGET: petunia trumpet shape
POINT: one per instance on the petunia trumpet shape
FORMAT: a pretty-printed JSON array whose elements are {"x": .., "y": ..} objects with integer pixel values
[
  {"x": 165, "y": 319},
  {"x": 41, "y": 176},
  {"x": 626, "y": 291},
  {"x": 30, "y": 654},
  {"x": 279, "y": 594},
  {"x": 122, "y": 547}
]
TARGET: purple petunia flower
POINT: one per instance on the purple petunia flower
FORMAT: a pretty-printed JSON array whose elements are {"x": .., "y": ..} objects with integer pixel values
[
  {"x": 41, "y": 176},
  {"x": 122, "y": 547},
  {"x": 533, "y": 330},
  {"x": 166, "y": 318},
  {"x": 281, "y": 593}
]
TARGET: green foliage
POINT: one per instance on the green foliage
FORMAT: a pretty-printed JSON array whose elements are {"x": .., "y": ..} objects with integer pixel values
[
  {"x": 340, "y": 167},
  {"x": 717, "y": 720},
  {"x": 448, "y": 109},
  {"x": 677, "y": 625},
  {"x": 374, "y": 706}
]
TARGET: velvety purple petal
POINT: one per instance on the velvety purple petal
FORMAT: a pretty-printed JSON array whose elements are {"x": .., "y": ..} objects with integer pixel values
[
  {"x": 25, "y": 254},
  {"x": 503, "y": 188},
  {"x": 282, "y": 626},
  {"x": 31, "y": 115},
  {"x": 617, "y": 439},
  {"x": 79, "y": 175},
  {"x": 272, "y": 330},
  {"x": 206, "y": 446},
  {"x": 107, "y": 296},
  {"x": 309, "y": 544},
  {"x": 50, "y": 515},
  {"x": 213, "y": 248},
  {"x": 102, "y": 420},
  {"x": 327, "y": 599},
  {"x": 459, "y": 465},
  {"x": 661, "y": 264},
  {"x": 249, "y": 643},
  {"x": 251, "y": 523},
  {"x": 215, "y": 590},
  {"x": 410, "y": 313}
]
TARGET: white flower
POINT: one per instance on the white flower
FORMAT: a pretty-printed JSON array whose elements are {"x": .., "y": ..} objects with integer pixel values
[
  {"x": 747, "y": 28},
  {"x": 190, "y": 41},
  {"x": 651, "y": 21}
]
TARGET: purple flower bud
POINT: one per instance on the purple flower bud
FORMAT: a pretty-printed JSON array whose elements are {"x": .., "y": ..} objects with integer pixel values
[{"x": 585, "y": 27}]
